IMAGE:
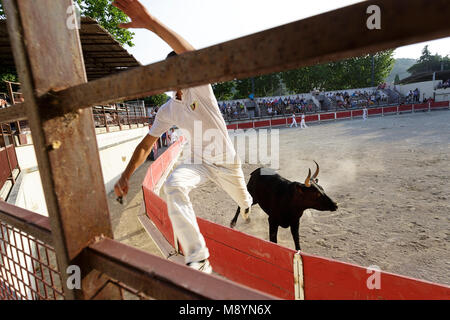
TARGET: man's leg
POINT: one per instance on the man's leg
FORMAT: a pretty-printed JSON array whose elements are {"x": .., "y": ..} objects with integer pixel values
[
  {"x": 231, "y": 179},
  {"x": 181, "y": 213}
]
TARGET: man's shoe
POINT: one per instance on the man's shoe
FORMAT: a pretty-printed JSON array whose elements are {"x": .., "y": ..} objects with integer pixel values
[{"x": 203, "y": 266}]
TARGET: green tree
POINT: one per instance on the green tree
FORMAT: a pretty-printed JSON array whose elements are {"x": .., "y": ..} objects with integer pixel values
[
  {"x": 224, "y": 90},
  {"x": 397, "y": 79},
  {"x": 429, "y": 62},
  {"x": 156, "y": 100},
  {"x": 265, "y": 85},
  {"x": 108, "y": 16},
  {"x": 340, "y": 75}
]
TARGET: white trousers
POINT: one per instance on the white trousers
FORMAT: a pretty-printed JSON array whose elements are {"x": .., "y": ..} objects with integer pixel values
[
  {"x": 293, "y": 123},
  {"x": 181, "y": 213},
  {"x": 303, "y": 124}
]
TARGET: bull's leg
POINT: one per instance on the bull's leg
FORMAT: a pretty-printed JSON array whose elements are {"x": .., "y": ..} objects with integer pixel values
[
  {"x": 273, "y": 231},
  {"x": 295, "y": 235},
  {"x": 233, "y": 222}
]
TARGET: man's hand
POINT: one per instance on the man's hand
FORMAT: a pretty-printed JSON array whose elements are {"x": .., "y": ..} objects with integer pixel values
[
  {"x": 121, "y": 187},
  {"x": 140, "y": 18}
]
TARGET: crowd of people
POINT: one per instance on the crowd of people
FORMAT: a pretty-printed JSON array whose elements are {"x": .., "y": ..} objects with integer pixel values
[
  {"x": 444, "y": 85},
  {"x": 413, "y": 96},
  {"x": 357, "y": 99}
]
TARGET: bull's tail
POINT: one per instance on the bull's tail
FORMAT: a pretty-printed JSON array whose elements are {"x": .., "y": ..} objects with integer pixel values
[{"x": 233, "y": 222}]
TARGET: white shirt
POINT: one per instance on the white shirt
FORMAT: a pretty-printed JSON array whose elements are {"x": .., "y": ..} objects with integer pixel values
[{"x": 198, "y": 116}]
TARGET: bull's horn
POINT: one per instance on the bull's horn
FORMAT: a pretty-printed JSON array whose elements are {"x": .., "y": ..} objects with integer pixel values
[
  {"x": 317, "y": 171},
  {"x": 308, "y": 179}
]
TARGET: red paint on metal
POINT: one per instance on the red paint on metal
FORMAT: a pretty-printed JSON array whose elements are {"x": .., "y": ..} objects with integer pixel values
[
  {"x": 311, "y": 118},
  {"x": 326, "y": 279},
  {"x": 375, "y": 111},
  {"x": 278, "y": 122},
  {"x": 232, "y": 126},
  {"x": 357, "y": 113},
  {"x": 245, "y": 125},
  {"x": 422, "y": 106},
  {"x": 259, "y": 124},
  {"x": 405, "y": 108},
  {"x": 344, "y": 114},
  {"x": 326, "y": 116},
  {"x": 440, "y": 104},
  {"x": 390, "y": 110}
]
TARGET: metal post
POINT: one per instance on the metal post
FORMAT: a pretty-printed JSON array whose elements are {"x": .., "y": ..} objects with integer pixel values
[
  {"x": 7, "y": 155},
  {"x": 72, "y": 181},
  {"x": 104, "y": 118}
]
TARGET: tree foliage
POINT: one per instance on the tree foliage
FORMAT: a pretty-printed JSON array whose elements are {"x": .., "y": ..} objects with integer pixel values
[
  {"x": 156, "y": 100},
  {"x": 429, "y": 62},
  {"x": 224, "y": 90},
  {"x": 340, "y": 75},
  {"x": 108, "y": 16}
]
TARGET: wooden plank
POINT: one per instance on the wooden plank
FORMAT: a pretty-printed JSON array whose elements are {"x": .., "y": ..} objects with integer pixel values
[
  {"x": 48, "y": 57},
  {"x": 306, "y": 42}
]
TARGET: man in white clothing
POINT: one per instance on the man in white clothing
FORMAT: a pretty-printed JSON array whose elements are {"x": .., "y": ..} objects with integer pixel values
[
  {"x": 196, "y": 112},
  {"x": 302, "y": 123},
  {"x": 294, "y": 122},
  {"x": 365, "y": 113}
]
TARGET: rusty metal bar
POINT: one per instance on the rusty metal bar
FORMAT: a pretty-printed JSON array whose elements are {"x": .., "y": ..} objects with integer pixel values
[
  {"x": 72, "y": 181},
  {"x": 306, "y": 42},
  {"x": 160, "y": 278},
  {"x": 32, "y": 223},
  {"x": 15, "y": 112}
]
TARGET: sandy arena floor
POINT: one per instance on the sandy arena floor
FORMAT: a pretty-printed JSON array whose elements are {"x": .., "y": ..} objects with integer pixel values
[{"x": 390, "y": 176}]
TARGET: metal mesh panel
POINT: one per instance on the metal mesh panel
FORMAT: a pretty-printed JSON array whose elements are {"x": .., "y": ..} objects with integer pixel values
[{"x": 28, "y": 268}]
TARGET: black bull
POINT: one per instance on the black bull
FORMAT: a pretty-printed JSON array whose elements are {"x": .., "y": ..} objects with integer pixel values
[{"x": 284, "y": 201}]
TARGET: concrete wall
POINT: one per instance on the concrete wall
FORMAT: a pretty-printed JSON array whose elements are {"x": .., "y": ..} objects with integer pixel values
[
  {"x": 426, "y": 87},
  {"x": 115, "y": 148}
]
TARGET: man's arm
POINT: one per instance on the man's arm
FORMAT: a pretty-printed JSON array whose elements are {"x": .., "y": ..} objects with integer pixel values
[
  {"x": 139, "y": 155},
  {"x": 141, "y": 18}
]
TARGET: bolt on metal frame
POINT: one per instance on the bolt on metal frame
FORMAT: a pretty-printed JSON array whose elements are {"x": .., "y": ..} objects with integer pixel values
[{"x": 58, "y": 99}]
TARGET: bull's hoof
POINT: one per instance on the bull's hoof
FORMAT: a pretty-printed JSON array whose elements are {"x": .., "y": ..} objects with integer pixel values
[{"x": 232, "y": 224}]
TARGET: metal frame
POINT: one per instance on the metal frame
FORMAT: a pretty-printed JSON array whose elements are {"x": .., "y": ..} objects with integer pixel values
[{"x": 50, "y": 64}]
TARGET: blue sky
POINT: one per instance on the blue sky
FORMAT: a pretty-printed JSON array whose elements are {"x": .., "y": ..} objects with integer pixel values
[{"x": 207, "y": 22}]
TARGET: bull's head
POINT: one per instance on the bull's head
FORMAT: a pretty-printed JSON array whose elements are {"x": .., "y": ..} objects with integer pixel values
[{"x": 311, "y": 194}]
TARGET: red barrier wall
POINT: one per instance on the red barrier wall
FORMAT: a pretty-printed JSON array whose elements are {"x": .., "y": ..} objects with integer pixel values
[
  {"x": 245, "y": 125},
  {"x": 440, "y": 104},
  {"x": 344, "y": 114},
  {"x": 405, "y": 108},
  {"x": 390, "y": 110},
  {"x": 265, "y": 123},
  {"x": 326, "y": 279},
  {"x": 278, "y": 122},
  {"x": 374, "y": 111},
  {"x": 357, "y": 113},
  {"x": 314, "y": 117},
  {"x": 422, "y": 106},
  {"x": 326, "y": 116}
]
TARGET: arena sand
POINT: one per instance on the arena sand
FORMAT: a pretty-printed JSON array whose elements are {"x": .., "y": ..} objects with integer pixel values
[{"x": 390, "y": 176}]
